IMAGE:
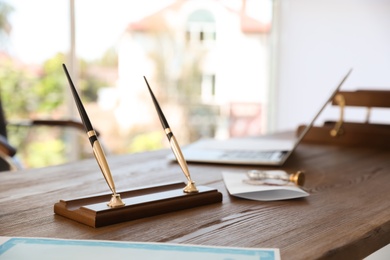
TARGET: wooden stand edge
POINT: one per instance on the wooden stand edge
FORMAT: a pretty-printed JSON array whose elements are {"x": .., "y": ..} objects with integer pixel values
[
  {"x": 139, "y": 203},
  {"x": 354, "y": 134}
]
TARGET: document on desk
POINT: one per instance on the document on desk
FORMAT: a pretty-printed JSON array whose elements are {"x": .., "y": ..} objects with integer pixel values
[
  {"x": 234, "y": 182},
  {"x": 47, "y": 248}
]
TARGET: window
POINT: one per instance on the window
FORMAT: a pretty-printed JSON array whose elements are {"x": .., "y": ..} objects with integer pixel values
[
  {"x": 200, "y": 58},
  {"x": 201, "y": 28},
  {"x": 208, "y": 88}
]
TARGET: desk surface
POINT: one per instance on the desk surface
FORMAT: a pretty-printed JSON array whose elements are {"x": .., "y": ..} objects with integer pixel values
[{"x": 347, "y": 213}]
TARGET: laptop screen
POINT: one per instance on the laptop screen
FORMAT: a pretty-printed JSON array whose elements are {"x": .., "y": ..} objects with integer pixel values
[{"x": 308, "y": 126}]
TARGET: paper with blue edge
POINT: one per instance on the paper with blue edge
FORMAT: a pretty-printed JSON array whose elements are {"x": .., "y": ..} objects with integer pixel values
[
  {"x": 236, "y": 187},
  {"x": 46, "y": 248}
]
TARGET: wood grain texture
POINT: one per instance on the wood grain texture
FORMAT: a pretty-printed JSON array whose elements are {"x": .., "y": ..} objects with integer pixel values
[
  {"x": 137, "y": 203},
  {"x": 346, "y": 216}
]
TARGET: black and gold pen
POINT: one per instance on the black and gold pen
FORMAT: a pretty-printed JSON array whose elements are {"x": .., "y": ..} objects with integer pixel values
[
  {"x": 190, "y": 187},
  {"x": 116, "y": 200}
]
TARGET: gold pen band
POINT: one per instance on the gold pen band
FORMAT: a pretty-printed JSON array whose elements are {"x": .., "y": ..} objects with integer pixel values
[
  {"x": 91, "y": 133},
  {"x": 167, "y": 130}
]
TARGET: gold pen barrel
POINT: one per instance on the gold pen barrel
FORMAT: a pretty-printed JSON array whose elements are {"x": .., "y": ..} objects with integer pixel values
[
  {"x": 101, "y": 158},
  {"x": 183, "y": 164},
  {"x": 180, "y": 158},
  {"x": 116, "y": 200}
]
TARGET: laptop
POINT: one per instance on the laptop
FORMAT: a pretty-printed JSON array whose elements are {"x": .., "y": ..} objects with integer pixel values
[{"x": 249, "y": 151}]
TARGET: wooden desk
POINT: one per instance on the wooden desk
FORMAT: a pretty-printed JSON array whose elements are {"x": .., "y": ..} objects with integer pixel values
[{"x": 347, "y": 215}]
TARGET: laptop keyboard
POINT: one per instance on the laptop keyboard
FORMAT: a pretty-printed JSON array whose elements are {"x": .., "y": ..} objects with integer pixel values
[{"x": 247, "y": 154}]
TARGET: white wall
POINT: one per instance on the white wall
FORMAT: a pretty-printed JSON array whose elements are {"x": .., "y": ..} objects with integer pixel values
[{"x": 317, "y": 41}]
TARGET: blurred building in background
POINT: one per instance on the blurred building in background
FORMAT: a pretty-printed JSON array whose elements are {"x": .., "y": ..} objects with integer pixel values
[
  {"x": 208, "y": 64},
  {"x": 206, "y": 60}
]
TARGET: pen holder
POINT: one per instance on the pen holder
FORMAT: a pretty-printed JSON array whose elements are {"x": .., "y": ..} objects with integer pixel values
[
  {"x": 115, "y": 201},
  {"x": 139, "y": 203}
]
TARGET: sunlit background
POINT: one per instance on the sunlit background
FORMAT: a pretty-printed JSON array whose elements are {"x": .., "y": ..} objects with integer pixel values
[
  {"x": 219, "y": 68},
  {"x": 192, "y": 53}
]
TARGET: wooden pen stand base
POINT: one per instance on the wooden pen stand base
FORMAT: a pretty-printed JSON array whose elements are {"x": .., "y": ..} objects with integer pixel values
[{"x": 139, "y": 203}]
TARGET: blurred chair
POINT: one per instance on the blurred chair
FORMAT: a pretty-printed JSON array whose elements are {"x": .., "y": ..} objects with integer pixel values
[
  {"x": 7, "y": 151},
  {"x": 351, "y": 132},
  {"x": 8, "y": 161}
]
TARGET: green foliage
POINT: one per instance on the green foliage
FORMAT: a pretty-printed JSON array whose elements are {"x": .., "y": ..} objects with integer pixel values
[
  {"x": 43, "y": 153},
  {"x": 88, "y": 82},
  {"x": 5, "y": 26},
  {"x": 146, "y": 142},
  {"x": 109, "y": 58},
  {"x": 27, "y": 92},
  {"x": 49, "y": 89},
  {"x": 15, "y": 86},
  {"x": 89, "y": 88}
]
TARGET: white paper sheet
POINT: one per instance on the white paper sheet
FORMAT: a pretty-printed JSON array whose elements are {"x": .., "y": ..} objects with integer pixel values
[{"x": 236, "y": 187}]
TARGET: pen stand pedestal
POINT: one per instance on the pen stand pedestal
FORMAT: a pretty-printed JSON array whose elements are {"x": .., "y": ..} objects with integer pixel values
[{"x": 139, "y": 203}]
